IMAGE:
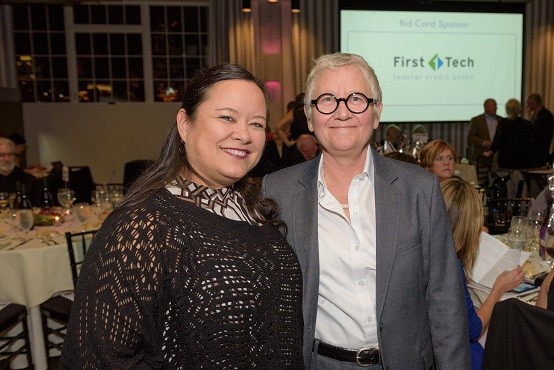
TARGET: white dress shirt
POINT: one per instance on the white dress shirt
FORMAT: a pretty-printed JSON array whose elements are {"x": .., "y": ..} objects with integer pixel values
[
  {"x": 347, "y": 258},
  {"x": 492, "y": 124}
]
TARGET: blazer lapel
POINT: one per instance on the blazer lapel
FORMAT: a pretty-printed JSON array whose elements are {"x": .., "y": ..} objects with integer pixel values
[
  {"x": 386, "y": 208},
  {"x": 305, "y": 236}
]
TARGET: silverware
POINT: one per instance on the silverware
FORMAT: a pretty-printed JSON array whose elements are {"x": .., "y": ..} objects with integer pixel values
[
  {"x": 17, "y": 245},
  {"x": 48, "y": 240},
  {"x": 45, "y": 241}
]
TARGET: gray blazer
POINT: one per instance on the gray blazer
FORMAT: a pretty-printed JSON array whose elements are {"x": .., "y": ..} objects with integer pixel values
[{"x": 421, "y": 309}]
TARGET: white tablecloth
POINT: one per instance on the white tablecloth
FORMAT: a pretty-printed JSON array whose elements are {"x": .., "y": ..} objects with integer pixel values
[
  {"x": 31, "y": 273},
  {"x": 466, "y": 172}
]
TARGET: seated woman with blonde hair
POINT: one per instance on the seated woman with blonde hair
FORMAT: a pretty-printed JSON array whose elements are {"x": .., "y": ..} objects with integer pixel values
[
  {"x": 465, "y": 213},
  {"x": 439, "y": 157}
]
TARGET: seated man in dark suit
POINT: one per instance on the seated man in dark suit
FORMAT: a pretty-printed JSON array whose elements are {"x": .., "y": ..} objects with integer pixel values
[
  {"x": 306, "y": 149},
  {"x": 10, "y": 174}
]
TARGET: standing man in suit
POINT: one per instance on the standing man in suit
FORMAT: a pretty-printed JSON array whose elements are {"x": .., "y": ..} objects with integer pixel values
[
  {"x": 381, "y": 285},
  {"x": 543, "y": 128},
  {"x": 482, "y": 129}
]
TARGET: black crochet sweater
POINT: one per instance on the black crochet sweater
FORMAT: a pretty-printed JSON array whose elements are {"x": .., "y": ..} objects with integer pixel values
[{"x": 170, "y": 285}]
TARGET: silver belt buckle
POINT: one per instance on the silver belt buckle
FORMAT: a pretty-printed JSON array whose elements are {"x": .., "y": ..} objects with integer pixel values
[{"x": 359, "y": 354}]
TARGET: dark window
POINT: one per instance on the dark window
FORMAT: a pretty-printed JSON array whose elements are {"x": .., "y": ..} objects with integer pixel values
[
  {"x": 98, "y": 14},
  {"x": 40, "y": 53},
  {"x": 109, "y": 65},
  {"x": 179, "y": 40},
  {"x": 81, "y": 14},
  {"x": 115, "y": 14}
]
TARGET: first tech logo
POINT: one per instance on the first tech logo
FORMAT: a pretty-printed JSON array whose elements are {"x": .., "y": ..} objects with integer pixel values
[{"x": 436, "y": 62}]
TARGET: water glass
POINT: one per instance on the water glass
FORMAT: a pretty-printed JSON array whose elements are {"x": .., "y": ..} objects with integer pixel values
[
  {"x": 519, "y": 222},
  {"x": 517, "y": 238},
  {"x": 81, "y": 212},
  {"x": 24, "y": 219}
]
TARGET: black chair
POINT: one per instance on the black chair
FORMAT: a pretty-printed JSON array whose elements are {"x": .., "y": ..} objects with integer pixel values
[
  {"x": 77, "y": 246},
  {"x": 11, "y": 316},
  {"x": 501, "y": 212},
  {"x": 483, "y": 167},
  {"x": 132, "y": 171},
  {"x": 520, "y": 336},
  {"x": 80, "y": 181},
  {"x": 57, "y": 309}
]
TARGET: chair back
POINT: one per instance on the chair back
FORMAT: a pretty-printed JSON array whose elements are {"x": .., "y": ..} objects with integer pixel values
[
  {"x": 520, "y": 336},
  {"x": 501, "y": 212},
  {"x": 483, "y": 167},
  {"x": 77, "y": 246},
  {"x": 11, "y": 315},
  {"x": 80, "y": 181},
  {"x": 132, "y": 171}
]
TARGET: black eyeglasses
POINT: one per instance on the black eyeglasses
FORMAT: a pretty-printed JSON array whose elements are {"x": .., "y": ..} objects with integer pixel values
[{"x": 355, "y": 103}]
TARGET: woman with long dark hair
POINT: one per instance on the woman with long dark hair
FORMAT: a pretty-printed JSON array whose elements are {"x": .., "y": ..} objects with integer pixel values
[{"x": 191, "y": 270}]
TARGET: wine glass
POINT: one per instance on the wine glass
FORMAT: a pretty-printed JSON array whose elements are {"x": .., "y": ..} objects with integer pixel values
[
  {"x": 548, "y": 255},
  {"x": 24, "y": 219},
  {"x": 66, "y": 197},
  {"x": 101, "y": 198},
  {"x": 82, "y": 213},
  {"x": 536, "y": 218},
  {"x": 4, "y": 199},
  {"x": 116, "y": 197}
]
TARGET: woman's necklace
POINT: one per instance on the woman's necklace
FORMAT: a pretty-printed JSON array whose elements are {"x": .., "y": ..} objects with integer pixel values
[{"x": 344, "y": 206}]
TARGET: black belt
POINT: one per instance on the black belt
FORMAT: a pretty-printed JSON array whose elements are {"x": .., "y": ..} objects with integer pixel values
[{"x": 363, "y": 356}]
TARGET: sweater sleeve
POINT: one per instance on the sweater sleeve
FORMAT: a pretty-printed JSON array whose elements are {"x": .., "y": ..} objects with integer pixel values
[{"x": 115, "y": 320}]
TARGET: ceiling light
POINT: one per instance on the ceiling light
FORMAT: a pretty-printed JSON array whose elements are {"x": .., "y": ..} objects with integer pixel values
[{"x": 295, "y": 6}]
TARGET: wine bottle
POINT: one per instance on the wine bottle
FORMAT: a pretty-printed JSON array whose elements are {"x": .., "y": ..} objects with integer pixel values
[
  {"x": 18, "y": 198},
  {"x": 47, "y": 200},
  {"x": 25, "y": 200}
]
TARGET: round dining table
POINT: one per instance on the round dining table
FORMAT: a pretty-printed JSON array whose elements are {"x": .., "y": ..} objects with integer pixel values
[{"x": 34, "y": 266}]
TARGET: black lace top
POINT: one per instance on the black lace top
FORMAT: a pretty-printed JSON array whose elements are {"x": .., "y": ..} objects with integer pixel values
[{"x": 171, "y": 285}]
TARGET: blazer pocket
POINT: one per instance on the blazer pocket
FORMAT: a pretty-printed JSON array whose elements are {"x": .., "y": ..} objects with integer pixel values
[{"x": 411, "y": 242}]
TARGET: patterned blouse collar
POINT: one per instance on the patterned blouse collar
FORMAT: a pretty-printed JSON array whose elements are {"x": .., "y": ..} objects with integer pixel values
[{"x": 225, "y": 202}]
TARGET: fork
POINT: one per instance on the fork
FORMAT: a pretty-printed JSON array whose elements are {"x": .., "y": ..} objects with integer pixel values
[{"x": 17, "y": 245}]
